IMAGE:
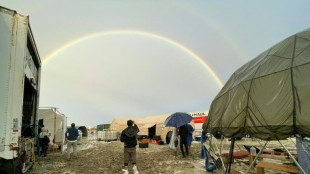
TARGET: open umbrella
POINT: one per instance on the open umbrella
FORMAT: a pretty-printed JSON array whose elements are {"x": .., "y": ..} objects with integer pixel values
[
  {"x": 178, "y": 119},
  {"x": 269, "y": 97}
]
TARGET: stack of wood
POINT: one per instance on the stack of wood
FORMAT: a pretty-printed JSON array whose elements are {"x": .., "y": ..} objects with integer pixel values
[{"x": 285, "y": 163}]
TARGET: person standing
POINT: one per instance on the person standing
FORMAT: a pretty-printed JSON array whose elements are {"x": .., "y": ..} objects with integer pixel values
[
  {"x": 129, "y": 138},
  {"x": 175, "y": 140},
  {"x": 44, "y": 141},
  {"x": 71, "y": 137},
  {"x": 183, "y": 132},
  {"x": 173, "y": 144},
  {"x": 189, "y": 137}
]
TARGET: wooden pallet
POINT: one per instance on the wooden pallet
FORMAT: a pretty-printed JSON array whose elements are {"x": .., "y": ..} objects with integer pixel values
[{"x": 261, "y": 164}]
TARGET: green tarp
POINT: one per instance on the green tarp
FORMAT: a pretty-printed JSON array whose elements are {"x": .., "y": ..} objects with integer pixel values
[{"x": 269, "y": 97}]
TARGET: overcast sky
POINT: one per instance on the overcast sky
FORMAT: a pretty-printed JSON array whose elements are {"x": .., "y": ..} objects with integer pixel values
[{"x": 143, "y": 58}]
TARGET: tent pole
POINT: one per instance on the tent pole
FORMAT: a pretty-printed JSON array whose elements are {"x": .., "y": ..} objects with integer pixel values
[
  {"x": 55, "y": 144},
  {"x": 220, "y": 155},
  {"x": 221, "y": 145},
  {"x": 292, "y": 157},
  {"x": 255, "y": 159},
  {"x": 231, "y": 151}
]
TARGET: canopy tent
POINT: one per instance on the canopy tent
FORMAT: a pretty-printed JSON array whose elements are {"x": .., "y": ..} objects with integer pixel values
[
  {"x": 119, "y": 124},
  {"x": 268, "y": 97},
  {"x": 144, "y": 124}
]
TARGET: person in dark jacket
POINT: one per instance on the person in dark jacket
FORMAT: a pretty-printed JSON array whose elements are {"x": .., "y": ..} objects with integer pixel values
[
  {"x": 183, "y": 132},
  {"x": 129, "y": 138},
  {"x": 44, "y": 141},
  {"x": 71, "y": 138}
]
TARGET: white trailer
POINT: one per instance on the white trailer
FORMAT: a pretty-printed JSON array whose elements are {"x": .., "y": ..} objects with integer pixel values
[
  {"x": 199, "y": 118},
  {"x": 56, "y": 124},
  {"x": 20, "y": 67}
]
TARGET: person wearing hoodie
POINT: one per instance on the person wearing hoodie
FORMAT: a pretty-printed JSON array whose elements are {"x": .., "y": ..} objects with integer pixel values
[
  {"x": 129, "y": 138},
  {"x": 44, "y": 141}
]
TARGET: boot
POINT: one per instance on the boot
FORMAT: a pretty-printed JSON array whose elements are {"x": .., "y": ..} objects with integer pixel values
[
  {"x": 125, "y": 171},
  {"x": 135, "y": 170}
]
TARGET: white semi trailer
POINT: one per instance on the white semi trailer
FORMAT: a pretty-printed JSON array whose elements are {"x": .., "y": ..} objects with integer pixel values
[{"x": 20, "y": 66}]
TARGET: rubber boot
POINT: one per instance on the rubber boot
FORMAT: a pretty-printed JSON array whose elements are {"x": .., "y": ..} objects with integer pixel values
[
  {"x": 125, "y": 171},
  {"x": 135, "y": 170}
]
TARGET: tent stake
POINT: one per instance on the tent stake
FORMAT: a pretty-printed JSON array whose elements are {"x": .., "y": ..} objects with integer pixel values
[
  {"x": 231, "y": 151},
  {"x": 220, "y": 155},
  {"x": 255, "y": 159},
  {"x": 292, "y": 157}
]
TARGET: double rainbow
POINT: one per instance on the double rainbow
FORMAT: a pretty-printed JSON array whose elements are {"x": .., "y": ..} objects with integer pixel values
[{"x": 141, "y": 33}]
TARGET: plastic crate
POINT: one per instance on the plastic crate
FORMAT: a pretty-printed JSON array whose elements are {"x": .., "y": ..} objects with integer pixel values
[
  {"x": 143, "y": 145},
  {"x": 145, "y": 140}
]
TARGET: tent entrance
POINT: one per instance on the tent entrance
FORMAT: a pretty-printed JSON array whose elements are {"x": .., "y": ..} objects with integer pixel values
[{"x": 152, "y": 131}]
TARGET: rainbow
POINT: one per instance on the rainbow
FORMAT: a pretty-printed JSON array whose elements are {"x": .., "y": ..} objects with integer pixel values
[
  {"x": 210, "y": 22},
  {"x": 141, "y": 33}
]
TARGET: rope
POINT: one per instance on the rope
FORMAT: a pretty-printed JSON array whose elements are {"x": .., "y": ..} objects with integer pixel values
[{"x": 204, "y": 154}]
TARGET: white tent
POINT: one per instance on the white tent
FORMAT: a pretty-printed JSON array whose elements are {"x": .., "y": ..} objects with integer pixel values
[{"x": 152, "y": 124}]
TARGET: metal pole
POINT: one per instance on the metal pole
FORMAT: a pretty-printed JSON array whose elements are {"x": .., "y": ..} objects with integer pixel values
[
  {"x": 231, "y": 151},
  {"x": 222, "y": 145},
  {"x": 55, "y": 144},
  {"x": 220, "y": 152},
  {"x": 255, "y": 159},
  {"x": 292, "y": 157}
]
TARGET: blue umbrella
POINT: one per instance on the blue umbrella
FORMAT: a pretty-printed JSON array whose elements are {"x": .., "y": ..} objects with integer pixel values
[{"x": 178, "y": 119}]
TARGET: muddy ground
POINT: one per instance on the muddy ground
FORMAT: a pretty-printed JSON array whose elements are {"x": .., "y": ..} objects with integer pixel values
[{"x": 107, "y": 158}]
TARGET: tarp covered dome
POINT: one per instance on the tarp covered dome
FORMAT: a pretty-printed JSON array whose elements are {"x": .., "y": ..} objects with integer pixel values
[{"x": 269, "y": 97}]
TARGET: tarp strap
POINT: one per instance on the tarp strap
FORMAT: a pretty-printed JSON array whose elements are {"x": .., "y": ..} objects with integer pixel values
[
  {"x": 293, "y": 88},
  {"x": 248, "y": 98}
]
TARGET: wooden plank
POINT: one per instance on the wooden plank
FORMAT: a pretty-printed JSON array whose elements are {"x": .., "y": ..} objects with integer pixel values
[
  {"x": 251, "y": 158},
  {"x": 260, "y": 170},
  {"x": 281, "y": 167},
  {"x": 232, "y": 171},
  {"x": 277, "y": 157}
]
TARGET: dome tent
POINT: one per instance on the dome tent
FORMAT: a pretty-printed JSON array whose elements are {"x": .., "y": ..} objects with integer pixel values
[{"x": 269, "y": 96}]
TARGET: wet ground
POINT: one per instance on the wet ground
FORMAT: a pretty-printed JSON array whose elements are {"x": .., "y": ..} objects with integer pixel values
[{"x": 107, "y": 158}]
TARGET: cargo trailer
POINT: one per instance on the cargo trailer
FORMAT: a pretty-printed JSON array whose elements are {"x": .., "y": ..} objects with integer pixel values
[{"x": 20, "y": 70}]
